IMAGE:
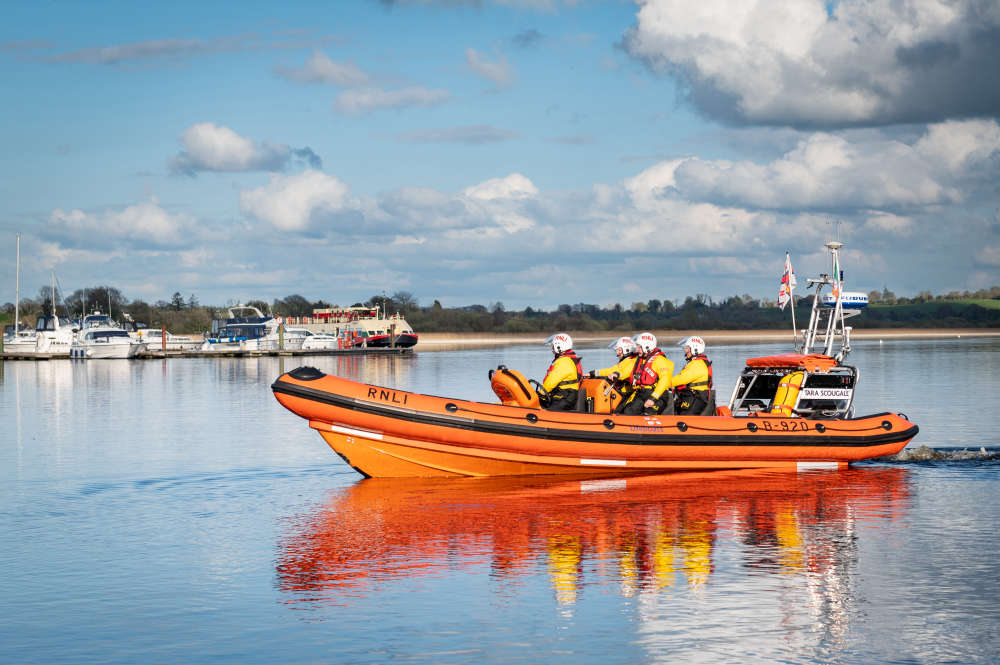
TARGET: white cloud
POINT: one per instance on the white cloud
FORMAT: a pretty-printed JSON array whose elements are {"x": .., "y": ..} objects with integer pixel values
[
  {"x": 210, "y": 147},
  {"x": 885, "y": 223},
  {"x": 200, "y": 257},
  {"x": 56, "y": 254},
  {"x": 146, "y": 223},
  {"x": 960, "y": 144},
  {"x": 364, "y": 100},
  {"x": 500, "y": 72},
  {"x": 172, "y": 49},
  {"x": 989, "y": 256},
  {"x": 513, "y": 187},
  {"x": 863, "y": 62},
  {"x": 831, "y": 171},
  {"x": 319, "y": 68},
  {"x": 677, "y": 228},
  {"x": 297, "y": 202},
  {"x": 409, "y": 240},
  {"x": 145, "y": 50}
]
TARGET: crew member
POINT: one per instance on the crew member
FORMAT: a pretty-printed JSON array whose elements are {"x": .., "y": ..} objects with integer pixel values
[
  {"x": 621, "y": 373},
  {"x": 562, "y": 381},
  {"x": 694, "y": 383},
  {"x": 650, "y": 378}
]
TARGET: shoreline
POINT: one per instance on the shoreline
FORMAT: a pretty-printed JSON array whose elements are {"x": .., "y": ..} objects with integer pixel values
[{"x": 447, "y": 341}]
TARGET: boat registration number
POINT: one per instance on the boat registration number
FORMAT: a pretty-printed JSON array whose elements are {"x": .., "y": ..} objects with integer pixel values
[{"x": 782, "y": 425}]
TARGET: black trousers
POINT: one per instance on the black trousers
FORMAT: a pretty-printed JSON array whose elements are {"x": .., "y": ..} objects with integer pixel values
[
  {"x": 564, "y": 401},
  {"x": 636, "y": 406},
  {"x": 691, "y": 402}
]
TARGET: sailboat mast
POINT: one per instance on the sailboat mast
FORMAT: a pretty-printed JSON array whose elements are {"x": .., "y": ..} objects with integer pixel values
[{"x": 17, "y": 288}]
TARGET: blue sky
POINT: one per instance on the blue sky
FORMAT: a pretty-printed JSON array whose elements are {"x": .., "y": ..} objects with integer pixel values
[{"x": 530, "y": 152}]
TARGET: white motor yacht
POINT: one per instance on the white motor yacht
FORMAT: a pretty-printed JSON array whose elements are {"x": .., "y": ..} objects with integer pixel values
[
  {"x": 247, "y": 329},
  {"x": 157, "y": 339},
  {"x": 99, "y": 337},
  {"x": 312, "y": 341}
]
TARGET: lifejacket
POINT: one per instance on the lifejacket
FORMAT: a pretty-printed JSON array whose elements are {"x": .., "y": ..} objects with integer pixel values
[
  {"x": 643, "y": 375},
  {"x": 700, "y": 385},
  {"x": 579, "y": 370},
  {"x": 787, "y": 393}
]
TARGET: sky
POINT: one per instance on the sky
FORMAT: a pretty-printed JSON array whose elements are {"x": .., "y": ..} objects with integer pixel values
[{"x": 523, "y": 152}]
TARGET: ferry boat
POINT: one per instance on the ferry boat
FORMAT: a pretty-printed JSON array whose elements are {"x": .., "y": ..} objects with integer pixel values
[
  {"x": 360, "y": 326},
  {"x": 385, "y": 432}
]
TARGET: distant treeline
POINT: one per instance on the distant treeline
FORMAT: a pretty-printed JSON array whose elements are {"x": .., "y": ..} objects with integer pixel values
[{"x": 980, "y": 309}]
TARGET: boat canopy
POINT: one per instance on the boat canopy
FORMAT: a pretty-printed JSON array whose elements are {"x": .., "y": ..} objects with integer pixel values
[{"x": 813, "y": 362}]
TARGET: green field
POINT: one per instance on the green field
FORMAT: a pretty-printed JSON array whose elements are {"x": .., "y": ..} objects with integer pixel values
[{"x": 988, "y": 303}]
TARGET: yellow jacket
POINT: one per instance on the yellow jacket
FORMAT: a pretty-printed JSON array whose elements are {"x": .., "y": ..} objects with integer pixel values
[
  {"x": 659, "y": 365},
  {"x": 624, "y": 371},
  {"x": 695, "y": 371},
  {"x": 562, "y": 371},
  {"x": 623, "y": 368}
]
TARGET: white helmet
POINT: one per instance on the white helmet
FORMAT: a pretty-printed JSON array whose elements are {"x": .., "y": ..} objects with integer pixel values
[
  {"x": 561, "y": 342},
  {"x": 695, "y": 343},
  {"x": 646, "y": 341},
  {"x": 624, "y": 345}
]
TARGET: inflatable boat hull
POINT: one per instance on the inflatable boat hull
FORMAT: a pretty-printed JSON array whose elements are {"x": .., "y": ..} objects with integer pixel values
[{"x": 383, "y": 432}]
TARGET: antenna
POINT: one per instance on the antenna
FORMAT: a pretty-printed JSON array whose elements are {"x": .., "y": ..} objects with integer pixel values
[{"x": 825, "y": 331}]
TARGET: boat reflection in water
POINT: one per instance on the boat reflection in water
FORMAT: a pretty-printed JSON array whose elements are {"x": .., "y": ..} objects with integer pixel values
[{"x": 638, "y": 536}]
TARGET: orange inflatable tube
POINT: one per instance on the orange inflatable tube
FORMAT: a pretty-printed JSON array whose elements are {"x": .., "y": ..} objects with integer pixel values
[{"x": 513, "y": 388}]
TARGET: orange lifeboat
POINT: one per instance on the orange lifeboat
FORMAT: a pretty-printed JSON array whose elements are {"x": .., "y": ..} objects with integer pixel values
[{"x": 385, "y": 432}]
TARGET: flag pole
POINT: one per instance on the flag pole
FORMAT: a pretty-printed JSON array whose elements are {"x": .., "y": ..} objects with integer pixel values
[
  {"x": 791, "y": 297},
  {"x": 795, "y": 331}
]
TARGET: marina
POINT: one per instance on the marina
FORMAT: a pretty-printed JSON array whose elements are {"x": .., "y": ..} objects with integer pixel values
[
  {"x": 245, "y": 332},
  {"x": 158, "y": 354}
]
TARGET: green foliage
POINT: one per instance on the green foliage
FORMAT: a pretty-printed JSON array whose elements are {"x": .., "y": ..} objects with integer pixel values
[
  {"x": 697, "y": 313},
  {"x": 988, "y": 303},
  {"x": 957, "y": 310},
  {"x": 293, "y": 305},
  {"x": 177, "y": 301}
]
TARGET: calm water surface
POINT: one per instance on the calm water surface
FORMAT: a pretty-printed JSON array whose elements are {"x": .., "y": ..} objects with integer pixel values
[{"x": 173, "y": 512}]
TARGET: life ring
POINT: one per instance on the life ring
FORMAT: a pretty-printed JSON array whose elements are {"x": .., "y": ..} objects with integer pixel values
[{"x": 513, "y": 388}]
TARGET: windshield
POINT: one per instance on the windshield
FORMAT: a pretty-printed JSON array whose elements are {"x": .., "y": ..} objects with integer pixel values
[{"x": 106, "y": 335}]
